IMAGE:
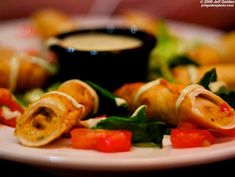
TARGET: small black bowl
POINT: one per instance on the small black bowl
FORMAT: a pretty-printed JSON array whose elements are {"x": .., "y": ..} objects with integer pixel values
[{"x": 110, "y": 69}]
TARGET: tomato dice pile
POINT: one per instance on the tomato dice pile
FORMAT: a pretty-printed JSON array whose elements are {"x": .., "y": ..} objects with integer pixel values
[
  {"x": 187, "y": 135},
  {"x": 101, "y": 140}
]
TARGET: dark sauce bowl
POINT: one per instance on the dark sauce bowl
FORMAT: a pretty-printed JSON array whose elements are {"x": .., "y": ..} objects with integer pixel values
[{"x": 110, "y": 69}]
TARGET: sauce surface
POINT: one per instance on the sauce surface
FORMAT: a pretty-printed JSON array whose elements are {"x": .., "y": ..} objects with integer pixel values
[{"x": 101, "y": 42}]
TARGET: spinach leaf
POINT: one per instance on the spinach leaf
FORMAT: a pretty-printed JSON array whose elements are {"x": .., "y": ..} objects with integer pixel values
[
  {"x": 182, "y": 60},
  {"x": 208, "y": 77},
  {"x": 227, "y": 95},
  {"x": 108, "y": 103},
  {"x": 142, "y": 129}
]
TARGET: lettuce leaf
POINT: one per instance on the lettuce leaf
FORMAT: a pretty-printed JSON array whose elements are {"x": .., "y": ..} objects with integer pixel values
[{"x": 168, "y": 53}]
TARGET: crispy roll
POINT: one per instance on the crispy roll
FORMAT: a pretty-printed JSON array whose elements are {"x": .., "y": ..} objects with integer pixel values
[
  {"x": 20, "y": 71},
  {"x": 205, "y": 55},
  {"x": 173, "y": 103},
  {"x": 50, "y": 22},
  {"x": 141, "y": 20},
  {"x": 55, "y": 113},
  {"x": 191, "y": 74},
  {"x": 227, "y": 47}
]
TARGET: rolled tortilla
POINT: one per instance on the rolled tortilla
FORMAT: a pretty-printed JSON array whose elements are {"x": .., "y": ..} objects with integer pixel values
[
  {"x": 21, "y": 71},
  {"x": 50, "y": 22},
  {"x": 205, "y": 55},
  {"x": 226, "y": 46},
  {"x": 191, "y": 74},
  {"x": 173, "y": 103},
  {"x": 55, "y": 113}
]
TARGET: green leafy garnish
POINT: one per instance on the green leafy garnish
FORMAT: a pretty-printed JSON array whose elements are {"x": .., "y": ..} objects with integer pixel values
[
  {"x": 168, "y": 46},
  {"x": 29, "y": 97},
  {"x": 225, "y": 93},
  {"x": 108, "y": 103},
  {"x": 182, "y": 60},
  {"x": 208, "y": 77},
  {"x": 53, "y": 87},
  {"x": 142, "y": 129}
]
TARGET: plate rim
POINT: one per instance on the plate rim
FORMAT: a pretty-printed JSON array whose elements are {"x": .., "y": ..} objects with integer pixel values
[{"x": 125, "y": 163}]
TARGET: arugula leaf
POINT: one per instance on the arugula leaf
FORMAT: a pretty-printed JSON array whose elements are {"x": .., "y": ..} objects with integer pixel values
[
  {"x": 108, "y": 103},
  {"x": 142, "y": 129},
  {"x": 208, "y": 77}
]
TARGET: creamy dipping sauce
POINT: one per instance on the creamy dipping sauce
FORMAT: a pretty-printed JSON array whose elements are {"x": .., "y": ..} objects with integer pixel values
[{"x": 101, "y": 42}]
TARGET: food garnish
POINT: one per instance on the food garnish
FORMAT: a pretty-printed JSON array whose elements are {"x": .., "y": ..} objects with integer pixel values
[{"x": 10, "y": 109}]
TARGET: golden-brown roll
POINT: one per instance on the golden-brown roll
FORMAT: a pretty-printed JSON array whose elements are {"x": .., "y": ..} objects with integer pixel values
[
  {"x": 55, "y": 113},
  {"x": 191, "y": 74},
  {"x": 205, "y": 55},
  {"x": 21, "y": 71},
  {"x": 173, "y": 103},
  {"x": 226, "y": 46},
  {"x": 141, "y": 20},
  {"x": 49, "y": 22}
]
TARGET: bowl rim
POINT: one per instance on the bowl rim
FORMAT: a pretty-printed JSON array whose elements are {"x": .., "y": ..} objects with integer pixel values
[{"x": 148, "y": 40}]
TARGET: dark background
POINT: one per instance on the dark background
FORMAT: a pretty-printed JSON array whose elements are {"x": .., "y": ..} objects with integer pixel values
[
  {"x": 223, "y": 168},
  {"x": 180, "y": 10}
]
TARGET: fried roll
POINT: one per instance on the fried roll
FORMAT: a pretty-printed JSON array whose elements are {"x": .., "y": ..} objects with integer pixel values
[
  {"x": 21, "y": 71},
  {"x": 50, "y": 22},
  {"x": 55, "y": 113},
  {"x": 191, "y": 74},
  {"x": 173, "y": 103},
  {"x": 226, "y": 45}
]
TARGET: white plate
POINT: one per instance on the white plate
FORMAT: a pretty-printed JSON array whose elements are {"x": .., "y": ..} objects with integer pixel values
[{"x": 60, "y": 155}]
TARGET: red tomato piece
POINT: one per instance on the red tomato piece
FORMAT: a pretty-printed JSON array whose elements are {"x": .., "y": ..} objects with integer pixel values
[
  {"x": 188, "y": 138},
  {"x": 224, "y": 107},
  {"x": 83, "y": 138},
  {"x": 7, "y": 99},
  {"x": 114, "y": 141},
  {"x": 101, "y": 140}
]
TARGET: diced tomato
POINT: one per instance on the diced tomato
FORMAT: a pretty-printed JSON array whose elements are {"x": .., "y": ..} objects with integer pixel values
[
  {"x": 7, "y": 100},
  {"x": 224, "y": 107},
  {"x": 83, "y": 138},
  {"x": 188, "y": 138},
  {"x": 114, "y": 141},
  {"x": 101, "y": 140}
]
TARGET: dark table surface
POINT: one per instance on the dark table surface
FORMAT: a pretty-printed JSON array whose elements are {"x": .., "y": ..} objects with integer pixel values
[{"x": 221, "y": 168}]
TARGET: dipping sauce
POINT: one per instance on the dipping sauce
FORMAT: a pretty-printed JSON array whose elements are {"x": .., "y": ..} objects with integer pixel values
[{"x": 101, "y": 42}]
